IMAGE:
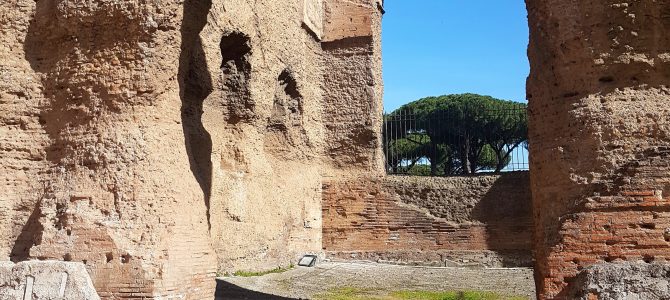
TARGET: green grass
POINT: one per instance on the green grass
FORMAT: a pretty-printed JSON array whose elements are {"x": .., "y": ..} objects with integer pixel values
[
  {"x": 348, "y": 293},
  {"x": 261, "y": 273},
  {"x": 361, "y": 294}
]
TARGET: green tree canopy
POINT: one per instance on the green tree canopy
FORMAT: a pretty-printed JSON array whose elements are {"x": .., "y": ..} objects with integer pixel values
[{"x": 457, "y": 134}]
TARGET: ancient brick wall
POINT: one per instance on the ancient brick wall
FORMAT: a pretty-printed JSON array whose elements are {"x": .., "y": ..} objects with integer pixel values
[
  {"x": 161, "y": 142},
  {"x": 353, "y": 87},
  {"x": 420, "y": 219},
  {"x": 91, "y": 103},
  {"x": 599, "y": 102}
]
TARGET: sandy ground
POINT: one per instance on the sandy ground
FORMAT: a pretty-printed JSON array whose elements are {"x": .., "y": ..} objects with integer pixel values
[{"x": 305, "y": 283}]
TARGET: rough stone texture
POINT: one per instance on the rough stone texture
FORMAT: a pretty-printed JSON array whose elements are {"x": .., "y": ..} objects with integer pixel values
[
  {"x": 22, "y": 138},
  {"x": 353, "y": 87},
  {"x": 599, "y": 135},
  {"x": 45, "y": 280},
  {"x": 160, "y": 141},
  {"x": 348, "y": 19},
  {"x": 622, "y": 281},
  {"x": 482, "y": 198},
  {"x": 439, "y": 258},
  {"x": 456, "y": 220}
]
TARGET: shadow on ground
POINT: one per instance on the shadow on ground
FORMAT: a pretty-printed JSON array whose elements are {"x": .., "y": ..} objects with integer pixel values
[{"x": 229, "y": 291}]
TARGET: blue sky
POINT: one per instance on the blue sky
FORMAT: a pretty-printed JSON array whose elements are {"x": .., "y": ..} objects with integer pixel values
[{"x": 437, "y": 47}]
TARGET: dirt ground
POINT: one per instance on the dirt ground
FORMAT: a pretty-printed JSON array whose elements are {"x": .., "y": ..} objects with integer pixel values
[{"x": 308, "y": 283}]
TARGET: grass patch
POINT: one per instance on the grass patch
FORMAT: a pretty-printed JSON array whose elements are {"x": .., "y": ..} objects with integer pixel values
[
  {"x": 361, "y": 294},
  {"x": 261, "y": 273},
  {"x": 348, "y": 293}
]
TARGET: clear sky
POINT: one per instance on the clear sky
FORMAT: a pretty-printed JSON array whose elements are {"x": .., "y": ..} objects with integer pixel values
[{"x": 437, "y": 47}]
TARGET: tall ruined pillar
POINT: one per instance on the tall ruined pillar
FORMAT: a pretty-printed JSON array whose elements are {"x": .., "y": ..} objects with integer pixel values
[
  {"x": 600, "y": 138},
  {"x": 97, "y": 170},
  {"x": 353, "y": 87}
]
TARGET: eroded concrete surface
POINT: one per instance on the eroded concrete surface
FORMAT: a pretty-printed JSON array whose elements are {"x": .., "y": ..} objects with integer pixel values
[
  {"x": 45, "y": 280},
  {"x": 144, "y": 138},
  {"x": 598, "y": 101},
  {"x": 305, "y": 283}
]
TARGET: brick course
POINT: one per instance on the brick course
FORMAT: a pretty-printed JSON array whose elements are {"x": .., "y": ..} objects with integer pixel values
[
  {"x": 396, "y": 214},
  {"x": 598, "y": 131}
]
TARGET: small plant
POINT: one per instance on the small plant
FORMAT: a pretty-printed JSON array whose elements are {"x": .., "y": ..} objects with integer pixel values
[
  {"x": 222, "y": 274},
  {"x": 349, "y": 293},
  {"x": 241, "y": 273}
]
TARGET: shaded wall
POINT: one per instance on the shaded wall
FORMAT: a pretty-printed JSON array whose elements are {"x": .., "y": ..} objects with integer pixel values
[{"x": 485, "y": 219}]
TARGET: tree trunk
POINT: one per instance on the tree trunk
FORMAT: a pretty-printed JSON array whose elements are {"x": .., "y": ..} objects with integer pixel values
[
  {"x": 501, "y": 160},
  {"x": 434, "y": 160},
  {"x": 465, "y": 160},
  {"x": 473, "y": 164}
]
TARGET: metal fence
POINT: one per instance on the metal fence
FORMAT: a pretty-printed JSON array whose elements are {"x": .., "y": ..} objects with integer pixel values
[{"x": 456, "y": 142}]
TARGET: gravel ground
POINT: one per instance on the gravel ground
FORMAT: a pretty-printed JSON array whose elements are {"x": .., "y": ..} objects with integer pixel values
[{"x": 305, "y": 283}]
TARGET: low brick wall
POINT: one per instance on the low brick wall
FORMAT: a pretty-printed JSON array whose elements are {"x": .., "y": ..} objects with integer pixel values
[{"x": 483, "y": 220}]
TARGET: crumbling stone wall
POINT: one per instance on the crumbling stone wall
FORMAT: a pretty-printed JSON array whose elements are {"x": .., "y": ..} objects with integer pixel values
[
  {"x": 598, "y": 100},
  {"x": 485, "y": 220},
  {"x": 622, "y": 280},
  {"x": 161, "y": 142},
  {"x": 352, "y": 88}
]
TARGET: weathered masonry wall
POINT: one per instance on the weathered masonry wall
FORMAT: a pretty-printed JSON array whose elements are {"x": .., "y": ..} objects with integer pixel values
[
  {"x": 599, "y": 139},
  {"x": 161, "y": 142},
  {"x": 353, "y": 88},
  {"x": 483, "y": 220}
]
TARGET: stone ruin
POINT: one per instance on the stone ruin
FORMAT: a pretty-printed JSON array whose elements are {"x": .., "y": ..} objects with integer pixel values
[
  {"x": 599, "y": 137},
  {"x": 157, "y": 143},
  {"x": 162, "y": 142}
]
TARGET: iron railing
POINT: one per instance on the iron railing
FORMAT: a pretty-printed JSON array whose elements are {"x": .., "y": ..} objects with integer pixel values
[{"x": 451, "y": 143}]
